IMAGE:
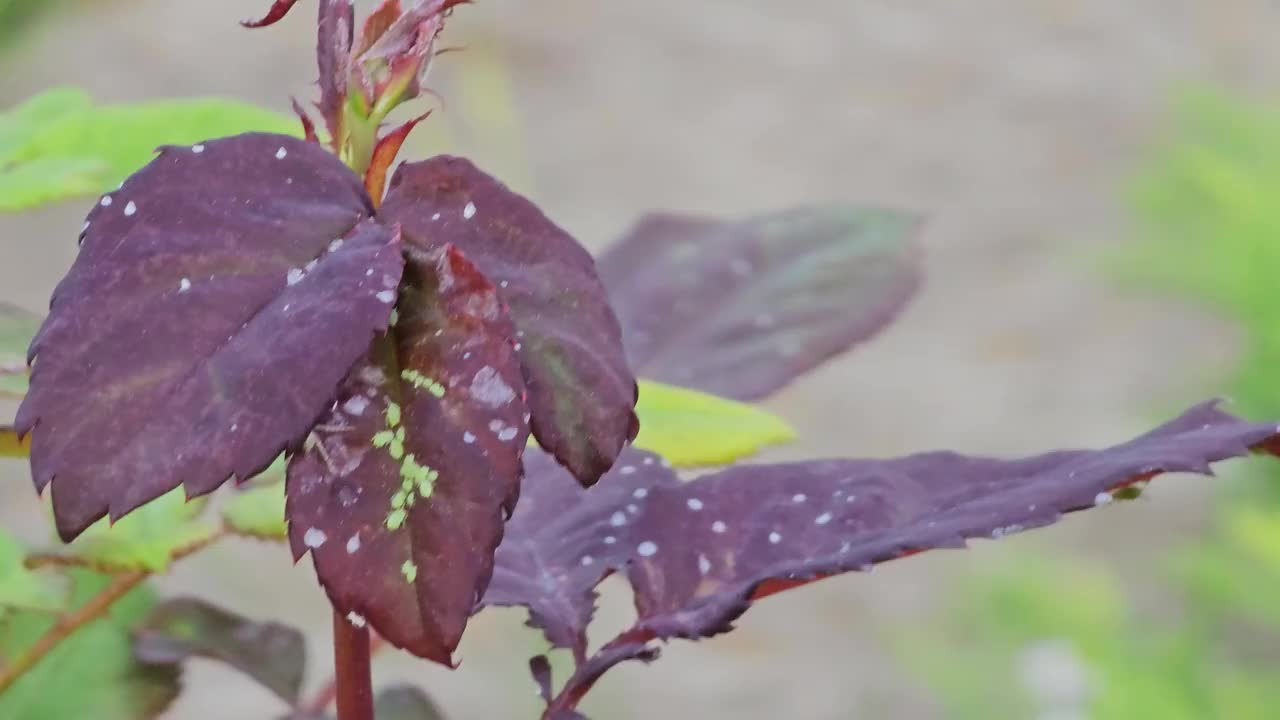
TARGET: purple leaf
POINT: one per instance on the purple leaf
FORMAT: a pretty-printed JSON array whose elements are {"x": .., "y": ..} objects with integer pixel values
[
  {"x": 402, "y": 492},
  {"x": 220, "y": 296},
  {"x": 697, "y": 554},
  {"x": 581, "y": 392},
  {"x": 740, "y": 309},
  {"x": 562, "y": 542},
  {"x": 270, "y": 653}
]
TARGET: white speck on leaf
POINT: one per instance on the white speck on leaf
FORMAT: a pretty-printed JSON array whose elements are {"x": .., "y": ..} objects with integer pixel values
[
  {"x": 694, "y": 504},
  {"x": 489, "y": 388},
  {"x": 507, "y": 434},
  {"x": 468, "y": 438},
  {"x": 355, "y": 619},
  {"x": 587, "y": 560},
  {"x": 356, "y": 405},
  {"x": 281, "y": 153},
  {"x": 386, "y": 296},
  {"x": 822, "y": 519},
  {"x": 627, "y": 469},
  {"x": 618, "y": 519},
  {"x": 610, "y": 540},
  {"x": 469, "y": 211},
  {"x": 435, "y": 216},
  {"x": 184, "y": 285},
  {"x": 718, "y": 527},
  {"x": 640, "y": 493},
  {"x": 647, "y": 548},
  {"x": 130, "y": 209},
  {"x": 799, "y": 498},
  {"x": 295, "y": 276},
  {"x": 197, "y": 149},
  {"x": 353, "y": 544},
  {"x": 335, "y": 245},
  {"x": 1102, "y": 498},
  {"x": 704, "y": 565},
  {"x": 106, "y": 201},
  {"x": 775, "y": 537},
  {"x": 314, "y": 538}
]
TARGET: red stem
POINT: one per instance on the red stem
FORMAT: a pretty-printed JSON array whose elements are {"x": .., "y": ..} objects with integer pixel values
[{"x": 353, "y": 677}]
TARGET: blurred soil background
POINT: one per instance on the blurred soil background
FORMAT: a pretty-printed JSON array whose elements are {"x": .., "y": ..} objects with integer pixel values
[{"x": 1014, "y": 126}]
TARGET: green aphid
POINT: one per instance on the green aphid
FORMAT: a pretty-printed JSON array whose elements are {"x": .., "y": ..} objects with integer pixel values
[
  {"x": 383, "y": 438},
  {"x": 435, "y": 389},
  {"x": 395, "y": 519},
  {"x": 393, "y": 414},
  {"x": 397, "y": 500},
  {"x": 426, "y": 486},
  {"x": 409, "y": 570},
  {"x": 397, "y": 449}
]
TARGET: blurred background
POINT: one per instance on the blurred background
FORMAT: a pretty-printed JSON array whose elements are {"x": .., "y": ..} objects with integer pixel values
[{"x": 1102, "y": 182}]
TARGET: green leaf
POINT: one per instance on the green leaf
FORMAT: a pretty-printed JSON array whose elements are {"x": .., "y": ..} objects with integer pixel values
[
  {"x": 19, "y": 587},
  {"x": 148, "y": 538},
  {"x": 692, "y": 428},
  {"x": 91, "y": 674},
  {"x": 57, "y": 146},
  {"x": 258, "y": 512},
  {"x": 17, "y": 327}
]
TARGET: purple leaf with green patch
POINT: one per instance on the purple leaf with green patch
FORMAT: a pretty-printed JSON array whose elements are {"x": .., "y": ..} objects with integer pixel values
[
  {"x": 272, "y": 654},
  {"x": 582, "y": 394},
  {"x": 219, "y": 298},
  {"x": 740, "y": 309},
  {"x": 697, "y": 554},
  {"x": 402, "y": 492}
]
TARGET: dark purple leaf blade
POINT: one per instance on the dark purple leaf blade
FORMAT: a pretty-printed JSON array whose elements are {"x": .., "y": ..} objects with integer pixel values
[
  {"x": 559, "y": 547},
  {"x": 582, "y": 394},
  {"x": 219, "y": 298},
  {"x": 698, "y": 554},
  {"x": 178, "y": 629},
  {"x": 335, "y": 36},
  {"x": 404, "y": 487},
  {"x": 740, "y": 309}
]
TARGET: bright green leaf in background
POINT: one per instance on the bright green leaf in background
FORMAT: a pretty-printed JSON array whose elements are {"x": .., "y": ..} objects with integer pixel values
[
  {"x": 147, "y": 538},
  {"x": 258, "y": 512},
  {"x": 692, "y": 428},
  {"x": 91, "y": 674},
  {"x": 57, "y": 145},
  {"x": 21, "y": 588}
]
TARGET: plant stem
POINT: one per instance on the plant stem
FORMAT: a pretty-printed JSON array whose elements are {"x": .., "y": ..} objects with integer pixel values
[
  {"x": 353, "y": 677},
  {"x": 324, "y": 697},
  {"x": 68, "y": 624}
]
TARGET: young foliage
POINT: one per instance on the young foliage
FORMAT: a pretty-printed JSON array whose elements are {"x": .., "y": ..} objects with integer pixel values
[
  {"x": 21, "y": 588},
  {"x": 401, "y": 496},
  {"x": 739, "y": 309},
  {"x": 258, "y": 512},
  {"x": 58, "y": 145},
  {"x": 581, "y": 390},
  {"x": 92, "y": 673},
  {"x": 697, "y": 554},
  {"x": 183, "y": 628}
]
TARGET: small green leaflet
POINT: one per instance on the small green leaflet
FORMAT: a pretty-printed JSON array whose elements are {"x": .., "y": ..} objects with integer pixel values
[
  {"x": 692, "y": 429},
  {"x": 57, "y": 145},
  {"x": 148, "y": 538},
  {"x": 258, "y": 512},
  {"x": 21, "y": 588}
]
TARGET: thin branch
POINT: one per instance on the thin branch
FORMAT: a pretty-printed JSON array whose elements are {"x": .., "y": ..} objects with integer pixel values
[{"x": 68, "y": 624}]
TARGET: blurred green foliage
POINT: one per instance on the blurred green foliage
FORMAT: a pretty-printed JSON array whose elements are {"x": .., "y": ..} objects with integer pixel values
[{"x": 1068, "y": 643}]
